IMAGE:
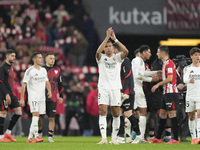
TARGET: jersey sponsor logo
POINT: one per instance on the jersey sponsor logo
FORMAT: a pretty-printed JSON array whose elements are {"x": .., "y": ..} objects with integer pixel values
[
  {"x": 54, "y": 110},
  {"x": 169, "y": 104},
  {"x": 110, "y": 65},
  {"x": 191, "y": 71},
  {"x": 195, "y": 76},
  {"x": 56, "y": 71}
]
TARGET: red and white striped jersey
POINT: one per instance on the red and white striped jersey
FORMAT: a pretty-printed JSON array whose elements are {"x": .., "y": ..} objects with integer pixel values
[{"x": 169, "y": 68}]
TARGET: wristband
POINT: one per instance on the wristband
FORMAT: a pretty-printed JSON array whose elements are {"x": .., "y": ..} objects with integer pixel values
[{"x": 116, "y": 40}]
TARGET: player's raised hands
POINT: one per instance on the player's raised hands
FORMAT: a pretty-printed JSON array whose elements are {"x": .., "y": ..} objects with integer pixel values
[
  {"x": 108, "y": 32},
  {"x": 112, "y": 36}
]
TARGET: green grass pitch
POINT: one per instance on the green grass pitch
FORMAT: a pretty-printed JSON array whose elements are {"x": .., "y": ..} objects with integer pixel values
[{"x": 89, "y": 143}]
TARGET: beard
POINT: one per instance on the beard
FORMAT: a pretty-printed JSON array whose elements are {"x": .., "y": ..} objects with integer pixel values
[{"x": 11, "y": 61}]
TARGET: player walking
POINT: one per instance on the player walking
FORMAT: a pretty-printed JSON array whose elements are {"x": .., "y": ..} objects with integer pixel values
[
  {"x": 36, "y": 80},
  {"x": 55, "y": 79},
  {"x": 192, "y": 78},
  {"x": 140, "y": 75},
  {"x": 170, "y": 95},
  {"x": 7, "y": 98}
]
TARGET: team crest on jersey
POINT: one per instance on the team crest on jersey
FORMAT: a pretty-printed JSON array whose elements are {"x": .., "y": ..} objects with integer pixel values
[
  {"x": 114, "y": 58},
  {"x": 56, "y": 71}
]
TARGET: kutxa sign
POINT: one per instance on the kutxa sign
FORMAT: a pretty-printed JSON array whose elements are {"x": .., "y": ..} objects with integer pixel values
[{"x": 148, "y": 16}]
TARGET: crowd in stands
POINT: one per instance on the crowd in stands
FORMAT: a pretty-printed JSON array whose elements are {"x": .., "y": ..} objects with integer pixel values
[{"x": 65, "y": 28}]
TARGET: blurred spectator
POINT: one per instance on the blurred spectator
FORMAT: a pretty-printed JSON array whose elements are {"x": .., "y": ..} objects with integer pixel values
[
  {"x": 92, "y": 108},
  {"x": 69, "y": 79},
  {"x": 2, "y": 51},
  {"x": 40, "y": 32},
  {"x": 28, "y": 31},
  {"x": 78, "y": 51},
  {"x": 52, "y": 31},
  {"x": 32, "y": 12},
  {"x": 89, "y": 32},
  {"x": 61, "y": 14},
  {"x": 75, "y": 106}
]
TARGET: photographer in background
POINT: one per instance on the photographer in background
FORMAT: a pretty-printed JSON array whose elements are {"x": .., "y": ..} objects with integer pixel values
[{"x": 181, "y": 61}]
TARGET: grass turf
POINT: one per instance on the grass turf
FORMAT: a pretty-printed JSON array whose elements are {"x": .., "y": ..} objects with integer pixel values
[{"x": 89, "y": 143}]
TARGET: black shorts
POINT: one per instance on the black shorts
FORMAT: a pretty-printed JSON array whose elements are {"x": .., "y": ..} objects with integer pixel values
[
  {"x": 51, "y": 109},
  {"x": 170, "y": 101},
  {"x": 14, "y": 103},
  {"x": 128, "y": 104}
]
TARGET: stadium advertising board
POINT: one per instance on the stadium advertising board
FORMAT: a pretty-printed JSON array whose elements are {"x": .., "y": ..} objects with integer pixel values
[{"x": 148, "y": 17}]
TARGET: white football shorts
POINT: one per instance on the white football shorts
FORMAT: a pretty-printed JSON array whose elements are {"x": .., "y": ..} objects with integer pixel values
[
  {"x": 192, "y": 104},
  {"x": 38, "y": 106},
  {"x": 140, "y": 99},
  {"x": 109, "y": 97}
]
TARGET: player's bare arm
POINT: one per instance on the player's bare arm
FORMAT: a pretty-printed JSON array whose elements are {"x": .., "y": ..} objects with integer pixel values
[
  {"x": 125, "y": 51},
  {"x": 48, "y": 86},
  {"x": 103, "y": 44},
  {"x": 169, "y": 79},
  {"x": 22, "y": 94}
]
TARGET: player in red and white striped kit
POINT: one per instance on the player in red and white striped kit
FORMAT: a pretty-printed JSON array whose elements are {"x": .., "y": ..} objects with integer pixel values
[{"x": 170, "y": 95}]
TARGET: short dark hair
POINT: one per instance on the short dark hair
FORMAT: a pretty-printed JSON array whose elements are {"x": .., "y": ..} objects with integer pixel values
[
  {"x": 117, "y": 47},
  {"x": 194, "y": 50},
  {"x": 164, "y": 48},
  {"x": 50, "y": 53},
  {"x": 34, "y": 55},
  {"x": 144, "y": 48},
  {"x": 136, "y": 51},
  {"x": 109, "y": 41},
  {"x": 9, "y": 51}
]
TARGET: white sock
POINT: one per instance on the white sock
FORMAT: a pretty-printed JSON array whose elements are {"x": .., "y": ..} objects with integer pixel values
[
  {"x": 142, "y": 125},
  {"x": 115, "y": 127},
  {"x": 192, "y": 129},
  {"x": 103, "y": 127},
  {"x": 33, "y": 127},
  {"x": 198, "y": 128},
  {"x": 127, "y": 127},
  {"x": 8, "y": 131}
]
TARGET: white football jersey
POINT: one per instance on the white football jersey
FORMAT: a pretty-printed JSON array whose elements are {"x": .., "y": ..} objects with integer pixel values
[
  {"x": 109, "y": 71},
  {"x": 193, "y": 89},
  {"x": 36, "y": 83},
  {"x": 139, "y": 73}
]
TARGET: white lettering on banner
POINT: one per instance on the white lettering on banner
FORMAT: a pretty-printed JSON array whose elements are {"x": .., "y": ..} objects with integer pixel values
[
  {"x": 183, "y": 8},
  {"x": 137, "y": 17}
]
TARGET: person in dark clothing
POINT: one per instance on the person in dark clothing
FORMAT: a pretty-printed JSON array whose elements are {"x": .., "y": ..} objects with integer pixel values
[
  {"x": 55, "y": 79},
  {"x": 127, "y": 95},
  {"x": 7, "y": 98},
  {"x": 153, "y": 99},
  {"x": 181, "y": 113}
]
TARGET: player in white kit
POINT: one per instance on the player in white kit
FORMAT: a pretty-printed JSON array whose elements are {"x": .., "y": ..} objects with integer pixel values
[
  {"x": 140, "y": 75},
  {"x": 192, "y": 78},
  {"x": 36, "y": 80},
  {"x": 109, "y": 84}
]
